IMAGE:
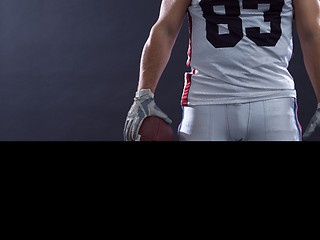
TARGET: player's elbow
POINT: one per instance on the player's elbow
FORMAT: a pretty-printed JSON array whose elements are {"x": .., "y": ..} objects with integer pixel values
[
  {"x": 310, "y": 34},
  {"x": 163, "y": 32}
]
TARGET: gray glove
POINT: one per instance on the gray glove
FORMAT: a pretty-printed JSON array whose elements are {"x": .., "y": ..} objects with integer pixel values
[
  {"x": 314, "y": 123},
  {"x": 143, "y": 107}
]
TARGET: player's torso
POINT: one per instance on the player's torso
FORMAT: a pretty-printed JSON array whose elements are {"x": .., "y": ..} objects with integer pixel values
[{"x": 239, "y": 51}]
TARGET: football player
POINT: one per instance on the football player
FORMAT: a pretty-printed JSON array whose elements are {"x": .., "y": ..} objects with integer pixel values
[{"x": 239, "y": 87}]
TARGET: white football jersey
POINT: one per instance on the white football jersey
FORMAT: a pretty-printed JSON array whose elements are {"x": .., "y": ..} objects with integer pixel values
[{"x": 239, "y": 51}]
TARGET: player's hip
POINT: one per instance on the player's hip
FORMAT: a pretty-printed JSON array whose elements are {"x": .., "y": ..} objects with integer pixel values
[{"x": 266, "y": 120}]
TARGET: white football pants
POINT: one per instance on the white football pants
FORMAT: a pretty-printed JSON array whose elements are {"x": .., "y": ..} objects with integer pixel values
[{"x": 270, "y": 120}]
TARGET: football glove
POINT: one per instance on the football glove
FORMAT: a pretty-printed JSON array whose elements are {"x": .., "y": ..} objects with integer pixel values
[
  {"x": 143, "y": 107},
  {"x": 314, "y": 123}
]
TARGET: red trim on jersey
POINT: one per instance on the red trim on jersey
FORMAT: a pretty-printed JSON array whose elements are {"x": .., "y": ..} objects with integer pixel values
[
  {"x": 190, "y": 37},
  {"x": 184, "y": 101}
]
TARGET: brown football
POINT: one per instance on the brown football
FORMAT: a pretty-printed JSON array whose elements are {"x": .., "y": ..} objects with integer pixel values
[{"x": 155, "y": 129}]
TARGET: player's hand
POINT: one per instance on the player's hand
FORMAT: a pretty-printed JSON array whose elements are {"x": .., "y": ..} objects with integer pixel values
[
  {"x": 143, "y": 107},
  {"x": 314, "y": 123}
]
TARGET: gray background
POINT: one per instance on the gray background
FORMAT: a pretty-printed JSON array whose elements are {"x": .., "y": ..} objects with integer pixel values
[{"x": 69, "y": 69}]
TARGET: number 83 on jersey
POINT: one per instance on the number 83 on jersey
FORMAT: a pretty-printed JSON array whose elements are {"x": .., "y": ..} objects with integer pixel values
[{"x": 227, "y": 14}]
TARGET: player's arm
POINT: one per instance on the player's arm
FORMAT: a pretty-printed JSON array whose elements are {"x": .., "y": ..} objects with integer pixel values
[
  {"x": 307, "y": 15},
  {"x": 155, "y": 56},
  {"x": 157, "y": 50}
]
